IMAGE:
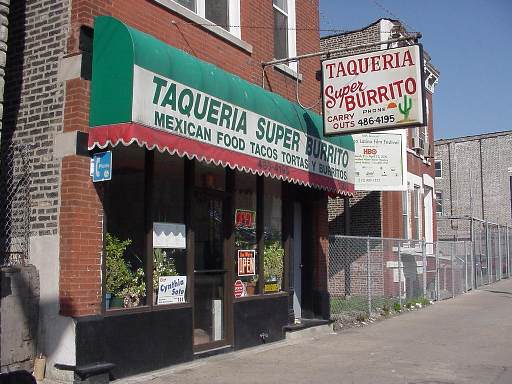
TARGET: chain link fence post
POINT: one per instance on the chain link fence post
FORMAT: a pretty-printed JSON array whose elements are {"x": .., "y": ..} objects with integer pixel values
[
  {"x": 499, "y": 274},
  {"x": 466, "y": 288},
  {"x": 368, "y": 277},
  {"x": 508, "y": 252},
  {"x": 437, "y": 271},
  {"x": 424, "y": 259},
  {"x": 487, "y": 252},
  {"x": 399, "y": 274},
  {"x": 453, "y": 255}
]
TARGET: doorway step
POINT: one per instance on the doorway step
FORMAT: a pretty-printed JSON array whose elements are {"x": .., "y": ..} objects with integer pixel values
[
  {"x": 308, "y": 328},
  {"x": 213, "y": 352}
]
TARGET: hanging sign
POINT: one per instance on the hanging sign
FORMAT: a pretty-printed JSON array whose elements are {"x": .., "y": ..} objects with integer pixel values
[
  {"x": 171, "y": 289},
  {"x": 374, "y": 91},
  {"x": 102, "y": 166},
  {"x": 246, "y": 262},
  {"x": 381, "y": 161}
]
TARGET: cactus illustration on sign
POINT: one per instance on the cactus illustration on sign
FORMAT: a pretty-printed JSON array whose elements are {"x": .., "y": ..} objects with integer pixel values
[{"x": 405, "y": 109}]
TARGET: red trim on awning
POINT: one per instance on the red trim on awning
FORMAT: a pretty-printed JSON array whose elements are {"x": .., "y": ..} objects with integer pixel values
[{"x": 127, "y": 133}]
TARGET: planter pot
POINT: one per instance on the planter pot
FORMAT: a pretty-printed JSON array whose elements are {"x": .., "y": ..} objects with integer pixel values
[
  {"x": 250, "y": 289},
  {"x": 116, "y": 302}
]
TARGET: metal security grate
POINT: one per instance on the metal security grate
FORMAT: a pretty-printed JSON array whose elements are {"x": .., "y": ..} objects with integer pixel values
[{"x": 15, "y": 205}]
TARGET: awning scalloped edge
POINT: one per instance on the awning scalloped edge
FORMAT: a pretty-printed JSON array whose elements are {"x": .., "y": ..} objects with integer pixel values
[{"x": 191, "y": 156}]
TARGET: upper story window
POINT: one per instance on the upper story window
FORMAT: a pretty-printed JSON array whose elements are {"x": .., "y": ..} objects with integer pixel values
[
  {"x": 439, "y": 168},
  {"x": 439, "y": 202},
  {"x": 223, "y": 13},
  {"x": 284, "y": 30},
  {"x": 405, "y": 214}
]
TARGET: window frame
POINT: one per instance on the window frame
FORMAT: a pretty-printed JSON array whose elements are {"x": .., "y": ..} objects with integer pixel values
[
  {"x": 233, "y": 35},
  {"x": 405, "y": 214},
  {"x": 291, "y": 37},
  {"x": 417, "y": 216},
  {"x": 440, "y": 162},
  {"x": 439, "y": 202}
]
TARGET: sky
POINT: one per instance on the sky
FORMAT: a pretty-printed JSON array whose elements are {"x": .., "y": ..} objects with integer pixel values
[{"x": 470, "y": 43}]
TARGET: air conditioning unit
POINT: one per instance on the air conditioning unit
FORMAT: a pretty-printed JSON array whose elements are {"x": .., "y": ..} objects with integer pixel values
[{"x": 417, "y": 144}]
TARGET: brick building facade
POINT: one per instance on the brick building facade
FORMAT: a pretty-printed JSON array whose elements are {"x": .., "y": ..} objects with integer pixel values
[
  {"x": 390, "y": 214},
  {"x": 61, "y": 55}
]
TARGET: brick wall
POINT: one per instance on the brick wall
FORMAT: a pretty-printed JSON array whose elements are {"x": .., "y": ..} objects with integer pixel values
[
  {"x": 34, "y": 99},
  {"x": 365, "y": 215},
  {"x": 80, "y": 240}
]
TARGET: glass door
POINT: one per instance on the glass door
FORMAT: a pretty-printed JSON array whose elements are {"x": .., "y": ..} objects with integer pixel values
[{"x": 209, "y": 270}]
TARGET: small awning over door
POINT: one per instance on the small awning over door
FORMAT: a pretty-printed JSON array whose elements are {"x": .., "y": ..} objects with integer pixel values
[{"x": 151, "y": 93}]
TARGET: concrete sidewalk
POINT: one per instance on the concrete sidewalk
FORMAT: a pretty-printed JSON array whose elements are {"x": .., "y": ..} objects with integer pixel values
[{"x": 463, "y": 340}]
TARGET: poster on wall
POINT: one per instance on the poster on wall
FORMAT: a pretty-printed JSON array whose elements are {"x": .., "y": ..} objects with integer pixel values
[
  {"x": 374, "y": 91},
  {"x": 246, "y": 262},
  {"x": 381, "y": 161},
  {"x": 171, "y": 289},
  {"x": 169, "y": 235}
]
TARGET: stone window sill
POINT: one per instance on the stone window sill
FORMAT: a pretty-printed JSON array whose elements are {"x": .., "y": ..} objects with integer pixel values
[
  {"x": 206, "y": 24},
  {"x": 283, "y": 68}
]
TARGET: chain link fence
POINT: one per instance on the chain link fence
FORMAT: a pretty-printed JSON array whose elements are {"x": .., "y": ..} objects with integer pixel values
[
  {"x": 15, "y": 205},
  {"x": 367, "y": 275}
]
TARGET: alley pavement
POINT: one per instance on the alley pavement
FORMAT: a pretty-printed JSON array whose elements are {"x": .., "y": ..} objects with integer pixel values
[{"x": 463, "y": 340}]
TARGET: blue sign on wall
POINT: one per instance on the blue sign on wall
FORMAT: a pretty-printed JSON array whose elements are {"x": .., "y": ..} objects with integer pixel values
[{"x": 102, "y": 166}]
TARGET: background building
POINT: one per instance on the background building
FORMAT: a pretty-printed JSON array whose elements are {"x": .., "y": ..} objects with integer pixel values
[{"x": 473, "y": 179}]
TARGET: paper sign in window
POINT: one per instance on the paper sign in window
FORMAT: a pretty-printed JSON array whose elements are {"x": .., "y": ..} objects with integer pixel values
[
  {"x": 246, "y": 262},
  {"x": 169, "y": 235}
]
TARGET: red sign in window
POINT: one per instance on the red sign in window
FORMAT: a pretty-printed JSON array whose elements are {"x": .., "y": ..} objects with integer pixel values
[{"x": 245, "y": 218}]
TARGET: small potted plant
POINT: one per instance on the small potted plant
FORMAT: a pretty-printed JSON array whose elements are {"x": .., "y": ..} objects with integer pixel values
[
  {"x": 118, "y": 273},
  {"x": 273, "y": 262}
]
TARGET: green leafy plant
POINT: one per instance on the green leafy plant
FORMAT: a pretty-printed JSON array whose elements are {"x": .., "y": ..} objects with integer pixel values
[
  {"x": 162, "y": 266},
  {"x": 118, "y": 273},
  {"x": 135, "y": 290},
  {"x": 273, "y": 256},
  {"x": 423, "y": 301},
  {"x": 386, "y": 309},
  {"x": 405, "y": 109},
  {"x": 397, "y": 307}
]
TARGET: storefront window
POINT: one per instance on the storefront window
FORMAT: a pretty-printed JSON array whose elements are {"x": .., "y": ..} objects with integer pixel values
[
  {"x": 125, "y": 279},
  {"x": 273, "y": 253},
  {"x": 245, "y": 256},
  {"x": 169, "y": 231},
  {"x": 210, "y": 176}
]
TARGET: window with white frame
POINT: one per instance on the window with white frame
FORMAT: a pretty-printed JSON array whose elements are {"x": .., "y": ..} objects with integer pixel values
[
  {"x": 223, "y": 13},
  {"x": 284, "y": 30},
  {"x": 405, "y": 214},
  {"x": 416, "y": 209},
  {"x": 439, "y": 202},
  {"x": 439, "y": 168}
]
